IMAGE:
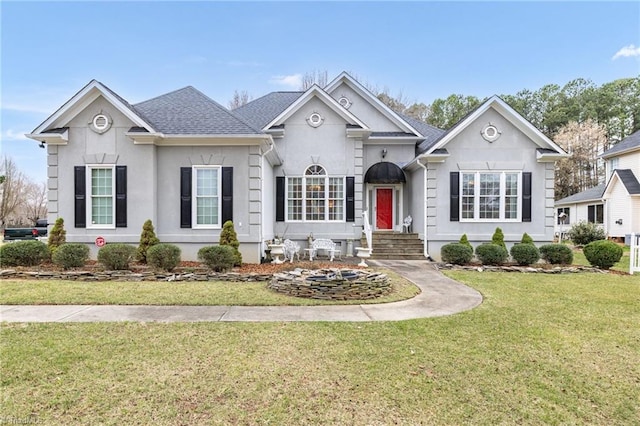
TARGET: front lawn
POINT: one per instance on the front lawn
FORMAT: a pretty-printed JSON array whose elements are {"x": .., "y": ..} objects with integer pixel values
[
  {"x": 541, "y": 349},
  {"x": 57, "y": 292}
]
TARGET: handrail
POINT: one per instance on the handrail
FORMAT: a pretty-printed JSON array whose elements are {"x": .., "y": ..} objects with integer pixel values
[{"x": 367, "y": 229}]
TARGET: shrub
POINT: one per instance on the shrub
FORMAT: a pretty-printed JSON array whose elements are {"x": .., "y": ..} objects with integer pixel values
[
  {"x": 582, "y": 233},
  {"x": 491, "y": 254},
  {"x": 464, "y": 240},
  {"x": 602, "y": 254},
  {"x": 228, "y": 237},
  {"x": 116, "y": 256},
  {"x": 57, "y": 236},
  {"x": 164, "y": 256},
  {"x": 147, "y": 239},
  {"x": 23, "y": 253},
  {"x": 525, "y": 253},
  {"x": 556, "y": 254},
  {"x": 498, "y": 239},
  {"x": 526, "y": 239},
  {"x": 218, "y": 258},
  {"x": 71, "y": 255},
  {"x": 456, "y": 253}
]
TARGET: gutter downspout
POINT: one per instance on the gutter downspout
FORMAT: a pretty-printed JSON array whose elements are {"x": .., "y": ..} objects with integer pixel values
[
  {"x": 272, "y": 146},
  {"x": 424, "y": 217}
]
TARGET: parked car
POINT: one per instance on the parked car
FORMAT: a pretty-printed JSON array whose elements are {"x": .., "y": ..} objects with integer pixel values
[{"x": 39, "y": 230}]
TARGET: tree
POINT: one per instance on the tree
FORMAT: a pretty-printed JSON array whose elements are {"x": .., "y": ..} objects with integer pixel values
[
  {"x": 239, "y": 99},
  {"x": 444, "y": 113},
  {"x": 36, "y": 201},
  {"x": 12, "y": 189},
  {"x": 314, "y": 77},
  {"x": 583, "y": 170},
  {"x": 147, "y": 239}
]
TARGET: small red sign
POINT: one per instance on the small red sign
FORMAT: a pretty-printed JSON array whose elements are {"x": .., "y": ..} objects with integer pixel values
[{"x": 100, "y": 241}]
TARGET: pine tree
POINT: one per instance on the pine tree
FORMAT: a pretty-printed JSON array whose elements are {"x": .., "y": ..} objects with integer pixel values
[
  {"x": 526, "y": 239},
  {"x": 57, "y": 236},
  {"x": 464, "y": 240},
  {"x": 498, "y": 238},
  {"x": 147, "y": 239},
  {"x": 228, "y": 237}
]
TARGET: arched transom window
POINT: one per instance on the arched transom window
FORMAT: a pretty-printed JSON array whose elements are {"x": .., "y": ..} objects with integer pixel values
[{"x": 315, "y": 196}]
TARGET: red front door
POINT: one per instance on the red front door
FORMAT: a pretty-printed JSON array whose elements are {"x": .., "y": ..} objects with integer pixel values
[{"x": 384, "y": 208}]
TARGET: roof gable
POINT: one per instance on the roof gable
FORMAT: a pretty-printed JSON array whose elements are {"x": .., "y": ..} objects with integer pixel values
[
  {"x": 628, "y": 180},
  {"x": 188, "y": 111},
  {"x": 315, "y": 92},
  {"x": 265, "y": 109},
  {"x": 82, "y": 99},
  {"x": 394, "y": 117},
  {"x": 628, "y": 144},
  {"x": 502, "y": 108}
]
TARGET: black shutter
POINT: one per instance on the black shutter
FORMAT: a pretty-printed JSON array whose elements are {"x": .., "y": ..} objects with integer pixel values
[
  {"x": 121, "y": 196},
  {"x": 227, "y": 194},
  {"x": 80, "y": 206},
  {"x": 185, "y": 197},
  {"x": 454, "y": 195},
  {"x": 280, "y": 185},
  {"x": 351, "y": 205},
  {"x": 526, "y": 197},
  {"x": 591, "y": 214}
]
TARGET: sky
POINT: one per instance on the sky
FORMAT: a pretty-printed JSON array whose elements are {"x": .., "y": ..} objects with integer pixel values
[{"x": 420, "y": 49}]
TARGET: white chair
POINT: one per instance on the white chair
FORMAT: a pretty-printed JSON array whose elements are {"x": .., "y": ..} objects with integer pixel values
[
  {"x": 406, "y": 224},
  {"x": 291, "y": 249},
  {"x": 322, "y": 244}
]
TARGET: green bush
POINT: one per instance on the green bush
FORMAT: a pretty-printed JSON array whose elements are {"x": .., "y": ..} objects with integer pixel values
[
  {"x": 57, "y": 236},
  {"x": 556, "y": 254},
  {"x": 228, "y": 237},
  {"x": 464, "y": 240},
  {"x": 526, "y": 239},
  {"x": 525, "y": 253},
  {"x": 491, "y": 254},
  {"x": 218, "y": 258},
  {"x": 582, "y": 233},
  {"x": 163, "y": 256},
  {"x": 116, "y": 256},
  {"x": 147, "y": 239},
  {"x": 23, "y": 253},
  {"x": 456, "y": 253},
  {"x": 602, "y": 254},
  {"x": 71, "y": 255},
  {"x": 498, "y": 239}
]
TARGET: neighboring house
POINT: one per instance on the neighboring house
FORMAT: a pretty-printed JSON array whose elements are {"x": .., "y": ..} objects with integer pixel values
[
  {"x": 616, "y": 204},
  {"x": 585, "y": 206},
  {"x": 292, "y": 164}
]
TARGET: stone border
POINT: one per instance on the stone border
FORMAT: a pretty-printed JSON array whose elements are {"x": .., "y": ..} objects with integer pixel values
[
  {"x": 204, "y": 275},
  {"x": 567, "y": 269}
]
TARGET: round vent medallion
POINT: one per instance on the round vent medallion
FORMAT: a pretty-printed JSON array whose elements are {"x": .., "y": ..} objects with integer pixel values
[
  {"x": 100, "y": 123},
  {"x": 345, "y": 102},
  {"x": 490, "y": 133},
  {"x": 315, "y": 120}
]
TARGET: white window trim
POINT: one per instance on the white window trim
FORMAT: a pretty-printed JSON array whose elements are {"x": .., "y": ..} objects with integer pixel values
[
  {"x": 326, "y": 198},
  {"x": 194, "y": 202},
  {"x": 89, "y": 196},
  {"x": 476, "y": 196}
]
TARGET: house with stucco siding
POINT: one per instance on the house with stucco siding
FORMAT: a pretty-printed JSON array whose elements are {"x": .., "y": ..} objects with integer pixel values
[{"x": 306, "y": 164}]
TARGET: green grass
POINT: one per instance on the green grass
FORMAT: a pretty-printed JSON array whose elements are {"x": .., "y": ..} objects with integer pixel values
[
  {"x": 56, "y": 292},
  {"x": 541, "y": 349}
]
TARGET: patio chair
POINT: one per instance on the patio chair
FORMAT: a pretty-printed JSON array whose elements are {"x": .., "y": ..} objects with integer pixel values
[{"x": 291, "y": 249}]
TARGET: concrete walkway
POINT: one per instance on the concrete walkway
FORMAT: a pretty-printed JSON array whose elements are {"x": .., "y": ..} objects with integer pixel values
[{"x": 440, "y": 296}]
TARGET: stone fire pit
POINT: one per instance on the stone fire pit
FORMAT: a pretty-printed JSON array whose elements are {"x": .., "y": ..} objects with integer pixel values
[{"x": 331, "y": 284}]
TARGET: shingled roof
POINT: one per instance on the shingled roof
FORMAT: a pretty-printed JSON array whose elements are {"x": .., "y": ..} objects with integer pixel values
[
  {"x": 629, "y": 181},
  {"x": 629, "y": 143},
  {"x": 591, "y": 194},
  {"x": 188, "y": 111},
  {"x": 431, "y": 134},
  {"x": 265, "y": 109}
]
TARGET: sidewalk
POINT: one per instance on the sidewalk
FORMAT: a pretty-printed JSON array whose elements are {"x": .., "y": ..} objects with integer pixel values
[{"x": 440, "y": 296}]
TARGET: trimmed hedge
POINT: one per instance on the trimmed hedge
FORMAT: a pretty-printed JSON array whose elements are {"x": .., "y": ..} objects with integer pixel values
[
  {"x": 218, "y": 258},
  {"x": 456, "y": 253},
  {"x": 491, "y": 254},
  {"x": 116, "y": 256},
  {"x": 23, "y": 253},
  {"x": 556, "y": 254},
  {"x": 525, "y": 253},
  {"x": 602, "y": 254},
  {"x": 71, "y": 255},
  {"x": 163, "y": 256}
]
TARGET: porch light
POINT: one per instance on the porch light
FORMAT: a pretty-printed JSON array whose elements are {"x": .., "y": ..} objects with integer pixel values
[{"x": 619, "y": 222}]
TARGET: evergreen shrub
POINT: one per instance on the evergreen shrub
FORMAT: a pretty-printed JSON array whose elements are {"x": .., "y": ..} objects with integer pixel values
[
  {"x": 525, "y": 254},
  {"x": 498, "y": 238},
  {"x": 556, "y": 254},
  {"x": 464, "y": 240},
  {"x": 582, "y": 233},
  {"x": 526, "y": 239},
  {"x": 491, "y": 254},
  {"x": 218, "y": 258},
  {"x": 228, "y": 237},
  {"x": 57, "y": 236},
  {"x": 116, "y": 256},
  {"x": 23, "y": 253},
  {"x": 147, "y": 239},
  {"x": 71, "y": 255},
  {"x": 164, "y": 256},
  {"x": 456, "y": 253},
  {"x": 602, "y": 254}
]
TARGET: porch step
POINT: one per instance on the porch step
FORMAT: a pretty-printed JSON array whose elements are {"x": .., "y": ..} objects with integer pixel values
[{"x": 396, "y": 245}]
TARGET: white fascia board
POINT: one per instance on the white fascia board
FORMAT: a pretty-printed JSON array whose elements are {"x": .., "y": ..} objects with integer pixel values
[
  {"x": 315, "y": 90},
  {"x": 550, "y": 158},
  {"x": 82, "y": 100},
  {"x": 358, "y": 133},
  {"x": 142, "y": 138},
  {"x": 373, "y": 100},
  {"x": 50, "y": 138},
  {"x": 606, "y": 156},
  {"x": 212, "y": 140}
]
